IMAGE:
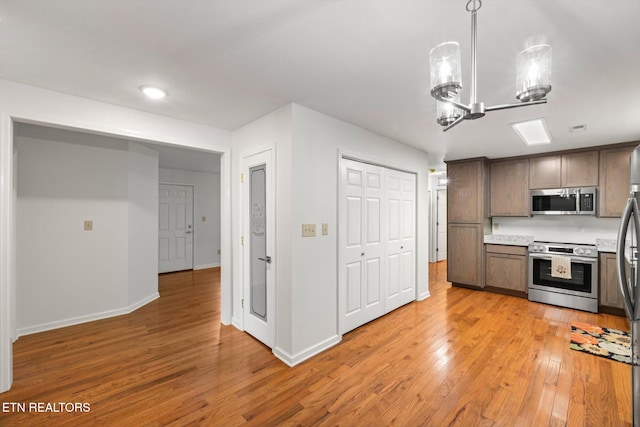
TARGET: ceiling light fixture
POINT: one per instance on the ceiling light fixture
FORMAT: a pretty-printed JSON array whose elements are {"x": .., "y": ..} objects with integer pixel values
[
  {"x": 533, "y": 131},
  {"x": 153, "y": 92},
  {"x": 533, "y": 79}
]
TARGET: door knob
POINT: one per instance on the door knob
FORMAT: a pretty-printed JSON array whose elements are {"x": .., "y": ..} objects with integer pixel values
[{"x": 266, "y": 259}]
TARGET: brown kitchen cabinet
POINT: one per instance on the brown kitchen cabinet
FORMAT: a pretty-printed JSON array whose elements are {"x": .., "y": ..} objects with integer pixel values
[
  {"x": 610, "y": 300},
  {"x": 468, "y": 220},
  {"x": 614, "y": 181},
  {"x": 545, "y": 172},
  {"x": 467, "y": 192},
  {"x": 464, "y": 254},
  {"x": 506, "y": 269},
  {"x": 510, "y": 188},
  {"x": 580, "y": 169},
  {"x": 566, "y": 170}
]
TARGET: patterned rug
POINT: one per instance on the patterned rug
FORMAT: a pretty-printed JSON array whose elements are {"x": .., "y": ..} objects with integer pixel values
[{"x": 604, "y": 342}]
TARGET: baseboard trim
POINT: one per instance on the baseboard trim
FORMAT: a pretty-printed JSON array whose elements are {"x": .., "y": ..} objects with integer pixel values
[
  {"x": 86, "y": 318},
  {"x": 293, "y": 360},
  {"x": 205, "y": 266},
  {"x": 237, "y": 324},
  {"x": 424, "y": 296}
]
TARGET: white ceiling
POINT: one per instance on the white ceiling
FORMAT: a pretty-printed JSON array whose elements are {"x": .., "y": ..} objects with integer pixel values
[{"x": 228, "y": 62}]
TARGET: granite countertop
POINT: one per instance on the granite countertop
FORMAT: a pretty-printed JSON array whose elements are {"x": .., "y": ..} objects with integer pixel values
[
  {"x": 606, "y": 245},
  {"x": 505, "y": 239}
]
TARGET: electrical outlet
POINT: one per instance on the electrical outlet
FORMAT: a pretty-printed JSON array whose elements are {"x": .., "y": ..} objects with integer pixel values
[
  {"x": 325, "y": 229},
  {"x": 88, "y": 225},
  {"x": 496, "y": 225},
  {"x": 308, "y": 230},
  {"x": 204, "y": 218},
  {"x": 218, "y": 251}
]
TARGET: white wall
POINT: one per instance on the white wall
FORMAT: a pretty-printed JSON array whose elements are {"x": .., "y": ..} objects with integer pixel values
[
  {"x": 143, "y": 225},
  {"x": 63, "y": 272},
  {"x": 206, "y": 203},
  {"x": 318, "y": 142},
  {"x": 23, "y": 103},
  {"x": 308, "y": 146}
]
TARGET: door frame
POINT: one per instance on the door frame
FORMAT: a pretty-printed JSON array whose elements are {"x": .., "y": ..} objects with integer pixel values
[
  {"x": 439, "y": 222},
  {"x": 264, "y": 333},
  {"x": 53, "y": 118}
]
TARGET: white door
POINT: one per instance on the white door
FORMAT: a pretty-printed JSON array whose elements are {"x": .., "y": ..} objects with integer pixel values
[
  {"x": 175, "y": 234},
  {"x": 360, "y": 290},
  {"x": 441, "y": 225},
  {"x": 258, "y": 215},
  {"x": 400, "y": 204}
]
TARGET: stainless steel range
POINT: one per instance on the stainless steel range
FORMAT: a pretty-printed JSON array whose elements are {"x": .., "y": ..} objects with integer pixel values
[{"x": 564, "y": 274}]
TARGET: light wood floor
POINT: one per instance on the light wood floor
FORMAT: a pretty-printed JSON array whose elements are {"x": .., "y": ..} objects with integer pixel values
[{"x": 461, "y": 358}]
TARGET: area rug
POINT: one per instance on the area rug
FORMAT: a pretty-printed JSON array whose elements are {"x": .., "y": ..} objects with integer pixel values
[{"x": 604, "y": 342}]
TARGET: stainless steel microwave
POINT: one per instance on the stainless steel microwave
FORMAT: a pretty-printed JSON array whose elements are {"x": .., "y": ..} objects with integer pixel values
[{"x": 564, "y": 201}]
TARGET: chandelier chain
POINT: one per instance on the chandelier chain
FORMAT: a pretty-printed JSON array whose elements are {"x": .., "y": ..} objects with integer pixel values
[{"x": 474, "y": 8}]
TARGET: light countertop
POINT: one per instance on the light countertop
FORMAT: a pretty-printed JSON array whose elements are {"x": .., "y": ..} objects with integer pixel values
[
  {"x": 505, "y": 239},
  {"x": 604, "y": 245}
]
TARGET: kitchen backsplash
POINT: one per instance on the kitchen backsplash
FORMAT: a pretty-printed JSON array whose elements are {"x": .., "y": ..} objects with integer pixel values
[{"x": 559, "y": 228}]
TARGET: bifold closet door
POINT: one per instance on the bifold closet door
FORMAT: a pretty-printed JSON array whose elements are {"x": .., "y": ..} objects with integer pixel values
[
  {"x": 400, "y": 245},
  {"x": 377, "y": 239},
  {"x": 361, "y": 267}
]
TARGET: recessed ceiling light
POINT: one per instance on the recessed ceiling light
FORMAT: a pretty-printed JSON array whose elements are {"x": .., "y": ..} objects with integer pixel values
[
  {"x": 153, "y": 92},
  {"x": 533, "y": 131}
]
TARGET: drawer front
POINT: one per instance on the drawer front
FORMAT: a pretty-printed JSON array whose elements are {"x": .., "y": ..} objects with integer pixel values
[{"x": 506, "y": 249}]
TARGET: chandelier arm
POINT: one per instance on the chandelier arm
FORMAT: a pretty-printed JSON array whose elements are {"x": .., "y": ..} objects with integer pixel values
[
  {"x": 519, "y": 104},
  {"x": 455, "y": 122},
  {"x": 456, "y": 104}
]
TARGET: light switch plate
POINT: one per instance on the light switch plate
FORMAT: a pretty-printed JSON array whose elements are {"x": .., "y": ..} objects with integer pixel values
[
  {"x": 308, "y": 230},
  {"x": 325, "y": 229},
  {"x": 88, "y": 225}
]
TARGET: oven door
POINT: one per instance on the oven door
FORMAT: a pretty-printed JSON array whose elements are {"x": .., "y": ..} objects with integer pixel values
[{"x": 583, "y": 282}]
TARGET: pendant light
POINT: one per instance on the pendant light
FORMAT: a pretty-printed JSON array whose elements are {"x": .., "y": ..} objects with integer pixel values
[{"x": 533, "y": 81}]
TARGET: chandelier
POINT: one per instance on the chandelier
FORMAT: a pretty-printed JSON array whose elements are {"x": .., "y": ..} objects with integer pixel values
[{"x": 533, "y": 82}]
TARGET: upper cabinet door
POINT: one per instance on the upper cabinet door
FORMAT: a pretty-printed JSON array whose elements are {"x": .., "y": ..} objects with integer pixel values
[
  {"x": 466, "y": 191},
  {"x": 580, "y": 169},
  {"x": 544, "y": 172},
  {"x": 566, "y": 170},
  {"x": 510, "y": 188},
  {"x": 614, "y": 181}
]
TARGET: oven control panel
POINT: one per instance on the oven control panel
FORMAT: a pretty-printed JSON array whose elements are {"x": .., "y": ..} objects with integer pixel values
[{"x": 566, "y": 249}]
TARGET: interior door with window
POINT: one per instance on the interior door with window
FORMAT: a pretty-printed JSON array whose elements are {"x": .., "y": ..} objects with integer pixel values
[
  {"x": 258, "y": 239},
  {"x": 175, "y": 223}
]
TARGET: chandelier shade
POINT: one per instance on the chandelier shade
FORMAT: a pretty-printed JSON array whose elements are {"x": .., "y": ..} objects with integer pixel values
[
  {"x": 444, "y": 61},
  {"x": 447, "y": 113},
  {"x": 533, "y": 73},
  {"x": 533, "y": 78}
]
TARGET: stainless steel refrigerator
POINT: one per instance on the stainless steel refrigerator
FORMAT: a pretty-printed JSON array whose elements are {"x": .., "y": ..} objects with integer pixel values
[{"x": 629, "y": 275}]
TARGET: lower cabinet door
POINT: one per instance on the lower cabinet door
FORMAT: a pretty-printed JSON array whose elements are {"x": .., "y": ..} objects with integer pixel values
[
  {"x": 464, "y": 254},
  {"x": 506, "y": 271}
]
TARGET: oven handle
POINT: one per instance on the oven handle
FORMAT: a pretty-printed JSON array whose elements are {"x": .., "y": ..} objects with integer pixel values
[{"x": 573, "y": 258}]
